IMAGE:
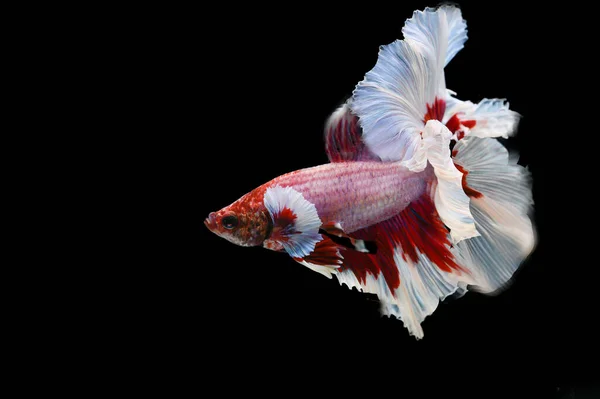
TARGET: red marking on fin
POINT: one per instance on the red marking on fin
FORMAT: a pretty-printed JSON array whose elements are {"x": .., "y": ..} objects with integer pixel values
[
  {"x": 285, "y": 217},
  {"x": 417, "y": 229},
  {"x": 362, "y": 264},
  {"x": 283, "y": 225},
  {"x": 472, "y": 193},
  {"x": 422, "y": 229},
  {"x": 326, "y": 253},
  {"x": 469, "y": 123},
  {"x": 453, "y": 123},
  {"x": 436, "y": 110}
]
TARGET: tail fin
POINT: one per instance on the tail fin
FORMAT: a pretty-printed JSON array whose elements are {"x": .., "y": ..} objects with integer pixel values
[
  {"x": 417, "y": 265},
  {"x": 501, "y": 204},
  {"x": 473, "y": 228}
]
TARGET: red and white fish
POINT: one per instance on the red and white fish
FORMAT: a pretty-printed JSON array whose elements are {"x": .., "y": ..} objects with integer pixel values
[{"x": 397, "y": 213}]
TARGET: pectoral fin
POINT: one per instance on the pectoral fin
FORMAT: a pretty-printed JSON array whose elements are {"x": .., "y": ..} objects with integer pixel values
[{"x": 295, "y": 220}]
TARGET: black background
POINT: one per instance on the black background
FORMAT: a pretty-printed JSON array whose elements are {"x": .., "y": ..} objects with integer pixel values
[{"x": 231, "y": 97}]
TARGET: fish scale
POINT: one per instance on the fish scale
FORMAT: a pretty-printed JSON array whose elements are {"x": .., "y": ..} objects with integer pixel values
[{"x": 356, "y": 194}]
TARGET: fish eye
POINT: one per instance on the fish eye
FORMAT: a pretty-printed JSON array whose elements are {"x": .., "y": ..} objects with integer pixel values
[{"x": 229, "y": 222}]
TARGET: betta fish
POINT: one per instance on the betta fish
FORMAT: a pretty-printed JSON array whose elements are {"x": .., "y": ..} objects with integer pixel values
[{"x": 420, "y": 200}]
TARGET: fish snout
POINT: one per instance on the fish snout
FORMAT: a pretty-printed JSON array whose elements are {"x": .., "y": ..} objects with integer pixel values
[{"x": 211, "y": 221}]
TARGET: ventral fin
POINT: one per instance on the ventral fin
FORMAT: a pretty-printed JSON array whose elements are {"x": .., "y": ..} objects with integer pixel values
[
  {"x": 295, "y": 220},
  {"x": 324, "y": 259},
  {"x": 335, "y": 232}
]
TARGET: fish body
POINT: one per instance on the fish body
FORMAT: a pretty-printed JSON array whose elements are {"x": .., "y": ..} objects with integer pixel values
[
  {"x": 356, "y": 194},
  {"x": 352, "y": 195}
]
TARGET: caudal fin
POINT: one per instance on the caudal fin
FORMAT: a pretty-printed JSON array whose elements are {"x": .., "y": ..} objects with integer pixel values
[
  {"x": 473, "y": 228},
  {"x": 417, "y": 264},
  {"x": 501, "y": 204}
]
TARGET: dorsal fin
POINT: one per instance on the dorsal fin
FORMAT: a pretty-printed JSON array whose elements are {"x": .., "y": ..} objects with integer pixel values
[{"x": 343, "y": 137}]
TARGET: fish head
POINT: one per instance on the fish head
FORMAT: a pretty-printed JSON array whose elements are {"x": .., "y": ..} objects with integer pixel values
[{"x": 245, "y": 222}]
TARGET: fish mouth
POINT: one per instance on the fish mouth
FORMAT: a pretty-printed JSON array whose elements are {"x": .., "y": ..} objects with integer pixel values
[{"x": 210, "y": 222}]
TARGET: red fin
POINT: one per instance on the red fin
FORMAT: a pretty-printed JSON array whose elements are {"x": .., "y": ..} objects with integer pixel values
[
  {"x": 326, "y": 253},
  {"x": 420, "y": 228},
  {"x": 417, "y": 229},
  {"x": 335, "y": 230},
  {"x": 343, "y": 141}
]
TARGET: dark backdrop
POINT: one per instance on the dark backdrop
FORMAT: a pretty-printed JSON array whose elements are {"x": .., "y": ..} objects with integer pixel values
[{"x": 239, "y": 95}]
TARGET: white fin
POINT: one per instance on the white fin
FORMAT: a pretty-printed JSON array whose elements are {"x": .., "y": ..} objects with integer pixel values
[
  {"x": 295, "y": 220},
  {"x": 325, "y": 270},
  {"x": 422, "y": 286},
  {"x": 442, "y": 32},
  {"x": 391, "y": 102},
  {"x": 451, "y": 201},
  {"x": 407, "y": 85},
  {"x": 502, "y": 214},
  {"x": 492, "y": 116}
]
